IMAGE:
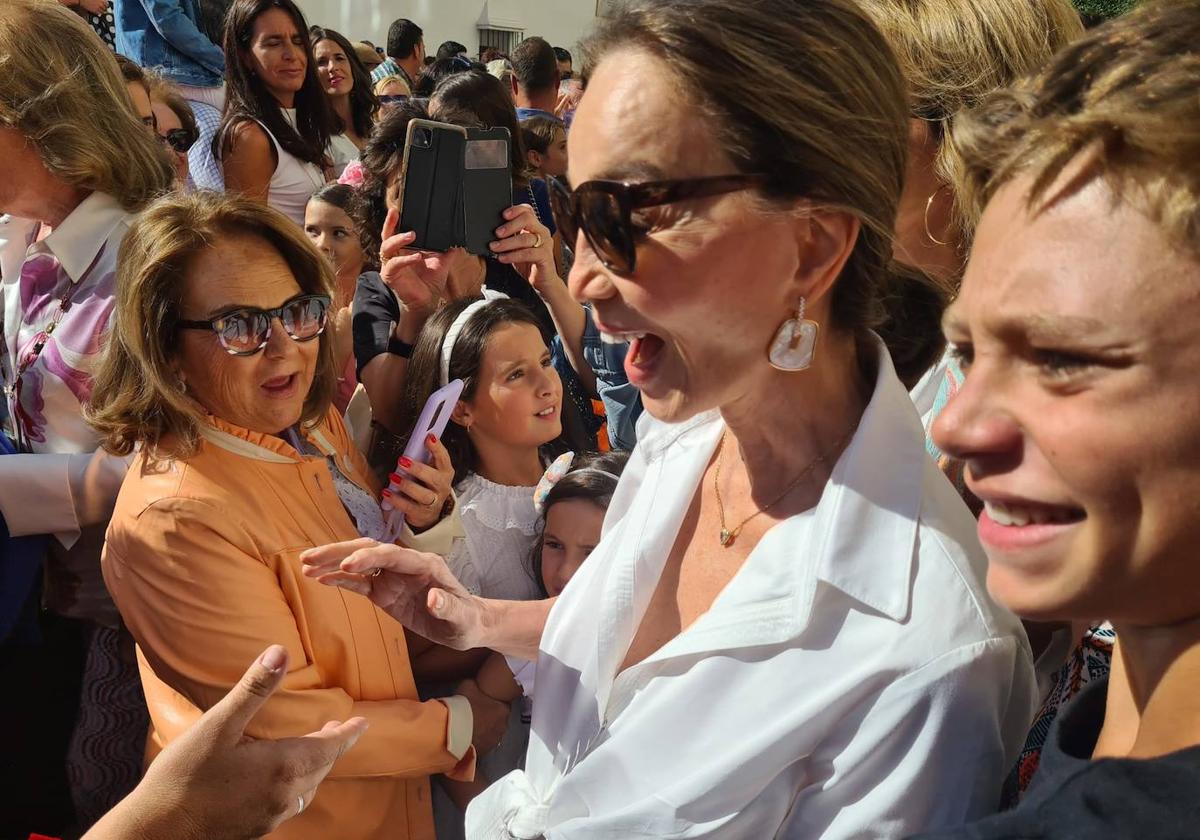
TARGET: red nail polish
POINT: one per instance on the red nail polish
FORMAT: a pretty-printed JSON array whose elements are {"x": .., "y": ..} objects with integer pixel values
[
  {"x": 432, "y": 439},
  {"x": 387, "y": 492},
  {"x": 406, "y": 463},
  {"x": 396, "y": 478}
]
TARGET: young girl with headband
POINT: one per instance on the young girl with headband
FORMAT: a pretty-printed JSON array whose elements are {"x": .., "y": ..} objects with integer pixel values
[
  {"x": 571, "y": 500},
  {"x": 504, "y": 431}
]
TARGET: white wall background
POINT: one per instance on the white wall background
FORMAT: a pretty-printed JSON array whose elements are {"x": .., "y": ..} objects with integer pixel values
[{"x": 561, "y": 22}]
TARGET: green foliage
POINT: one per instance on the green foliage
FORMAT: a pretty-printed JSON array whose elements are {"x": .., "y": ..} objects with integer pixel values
[{"x": 1104, "y": 9}]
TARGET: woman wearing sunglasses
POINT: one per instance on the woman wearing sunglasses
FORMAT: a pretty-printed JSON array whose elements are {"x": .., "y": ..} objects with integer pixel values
[
  {"x": 784, "y": 631},
  {"x": 174, "y": 122},
  {"x": 218, "y": 378}
]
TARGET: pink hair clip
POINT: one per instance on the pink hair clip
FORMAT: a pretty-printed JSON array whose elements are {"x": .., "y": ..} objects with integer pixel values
[{"x": 352, "y": 175}]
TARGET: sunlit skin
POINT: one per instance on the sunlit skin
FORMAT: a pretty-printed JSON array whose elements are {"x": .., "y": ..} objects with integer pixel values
[
  {"x": 554, "y": 162},
  {"x": 333, "y": 232},
  {"x": 333, "y": 68},
  {"x": 277, "y": 55},
  {"x": 634, "y": 126},
  {"x": 167, "y": 121},
  {"x": 924, "y": 234},
  {"x": 264, "y": 392},
  {"x": 516, "y": 406},
  {"x": 1076, "y": 325},
  {"x": 572, "y": 531}
]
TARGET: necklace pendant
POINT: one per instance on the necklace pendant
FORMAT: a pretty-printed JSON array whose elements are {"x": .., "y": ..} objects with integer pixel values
[{"x": 727, "y": 538}]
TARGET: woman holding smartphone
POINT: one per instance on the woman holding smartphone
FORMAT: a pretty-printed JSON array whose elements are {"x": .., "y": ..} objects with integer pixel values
[{"x": 275, "y": 131}]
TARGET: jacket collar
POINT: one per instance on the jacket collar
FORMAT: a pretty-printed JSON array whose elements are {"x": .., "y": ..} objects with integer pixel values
[
  {"x": 84, "y": 232},
  {"x": 261, "y": 447}
]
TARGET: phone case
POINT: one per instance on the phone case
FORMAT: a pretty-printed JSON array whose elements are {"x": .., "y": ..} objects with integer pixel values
[
  {"x": 435, "y": 416},
  {"x": 455, "y": 185}
]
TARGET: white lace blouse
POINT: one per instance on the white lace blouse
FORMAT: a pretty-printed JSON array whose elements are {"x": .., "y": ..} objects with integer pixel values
[{"x": 494, "y": 558}]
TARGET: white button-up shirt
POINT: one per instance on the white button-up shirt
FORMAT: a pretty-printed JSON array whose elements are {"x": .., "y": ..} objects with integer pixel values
[{"x": 854, "y": 679}]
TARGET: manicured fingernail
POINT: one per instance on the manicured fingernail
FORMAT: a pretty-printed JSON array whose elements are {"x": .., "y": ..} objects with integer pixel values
[
  {"x": 432, "y": 439},
  {"x": 273, "y": 658},
  {"x": 406, "y": 463},
  {"x": 387, "y": 494}
]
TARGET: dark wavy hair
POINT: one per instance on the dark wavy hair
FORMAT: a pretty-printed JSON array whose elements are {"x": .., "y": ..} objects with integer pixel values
[
  {"x": 381, "y": 161},
  {"x": 424, "y": 374},
  {"x": 584, "y": 482},
  {"x": 364, "y": 104},
  {"x": 247, "y": 98},
  {"x": 479, "y": 99}
]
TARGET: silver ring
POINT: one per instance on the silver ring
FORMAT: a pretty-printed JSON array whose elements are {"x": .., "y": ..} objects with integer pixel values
[{"x": 300, "y": 804}]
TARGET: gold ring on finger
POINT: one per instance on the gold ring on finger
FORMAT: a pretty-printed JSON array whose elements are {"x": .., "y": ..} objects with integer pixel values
[{"x": 537, "y": 243}]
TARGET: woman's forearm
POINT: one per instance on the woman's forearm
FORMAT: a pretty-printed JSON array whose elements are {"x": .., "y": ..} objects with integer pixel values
[
  {"x": 514, "y": 628},
  {"x": 569, "y": 320}
]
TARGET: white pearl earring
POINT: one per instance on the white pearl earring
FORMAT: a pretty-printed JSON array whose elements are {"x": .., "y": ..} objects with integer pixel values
[{"x": 795, "y": 342}]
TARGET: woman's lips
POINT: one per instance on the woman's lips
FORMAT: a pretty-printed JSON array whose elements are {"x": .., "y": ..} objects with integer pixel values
[
  {"x": 281, "y": 387},
  {"x": 548, "y": 413}
]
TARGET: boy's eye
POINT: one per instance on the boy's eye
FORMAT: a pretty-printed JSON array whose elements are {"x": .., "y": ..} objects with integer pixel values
[{"x": 1059, "y": 364}]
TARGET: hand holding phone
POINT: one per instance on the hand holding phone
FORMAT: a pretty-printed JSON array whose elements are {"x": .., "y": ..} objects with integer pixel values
[{"x": 419, "y": 487}]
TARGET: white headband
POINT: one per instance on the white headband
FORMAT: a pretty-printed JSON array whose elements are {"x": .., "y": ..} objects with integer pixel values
[{"x": 457, "y": 327}]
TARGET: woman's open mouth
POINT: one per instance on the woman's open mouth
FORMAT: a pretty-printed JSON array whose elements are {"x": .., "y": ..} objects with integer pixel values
[
  {"x": 281, "y": 387},
  {"x": 550, "y": 412}
]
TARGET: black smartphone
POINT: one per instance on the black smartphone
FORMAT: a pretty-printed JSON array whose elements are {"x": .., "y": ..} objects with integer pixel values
[{"x": 455, "y": 185}]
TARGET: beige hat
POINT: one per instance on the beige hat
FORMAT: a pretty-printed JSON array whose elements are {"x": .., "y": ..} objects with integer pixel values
[{"x": 367, "y": 55}]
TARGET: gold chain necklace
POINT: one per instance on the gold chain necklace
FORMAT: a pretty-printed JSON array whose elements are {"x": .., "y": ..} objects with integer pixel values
[{"x": 728, "y": 536}]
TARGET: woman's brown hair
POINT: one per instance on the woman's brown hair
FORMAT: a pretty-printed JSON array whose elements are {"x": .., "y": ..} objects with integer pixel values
[
  {"x": 475, "y": 98},
  {"x": 247, "y": 98},
  {"x": 62, "y": 92},
  {"x": 136, "y": 401}
]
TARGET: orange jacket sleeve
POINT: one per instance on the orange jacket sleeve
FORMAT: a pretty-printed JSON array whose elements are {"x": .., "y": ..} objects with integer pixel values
[{"x": 202, "y": 605}]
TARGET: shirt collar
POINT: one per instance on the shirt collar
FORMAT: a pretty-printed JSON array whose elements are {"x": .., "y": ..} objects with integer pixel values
[
  {"x": 871, "y": 508},
  {"x": 259, "y": 446},
  {"x": 85, "y": 230}
]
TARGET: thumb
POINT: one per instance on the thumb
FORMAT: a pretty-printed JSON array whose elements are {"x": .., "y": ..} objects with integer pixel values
[
  {"x": 237, "y": 708},
  {"x": 444, "y": 606}
]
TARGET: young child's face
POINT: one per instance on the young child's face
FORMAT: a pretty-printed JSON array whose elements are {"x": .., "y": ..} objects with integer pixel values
[{"x": 572, "y": 531}]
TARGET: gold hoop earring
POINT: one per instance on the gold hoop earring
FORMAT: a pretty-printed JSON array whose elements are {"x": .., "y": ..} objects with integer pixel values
[
  {"x": 795, "y": 342},
  {"x": 928, "y": 234}
]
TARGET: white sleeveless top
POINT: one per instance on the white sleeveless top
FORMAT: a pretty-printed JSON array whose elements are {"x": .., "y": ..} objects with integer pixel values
[{"x": 293, "y": 181}]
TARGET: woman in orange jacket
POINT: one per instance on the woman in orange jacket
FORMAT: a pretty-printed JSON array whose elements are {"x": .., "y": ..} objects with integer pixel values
[{"x": 219, "y": 375}]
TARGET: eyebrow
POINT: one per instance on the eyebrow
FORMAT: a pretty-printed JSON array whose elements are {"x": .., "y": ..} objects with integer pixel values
[{"x": 631, "y": 171}]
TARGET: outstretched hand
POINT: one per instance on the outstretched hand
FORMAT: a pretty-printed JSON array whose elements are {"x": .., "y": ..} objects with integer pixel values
[
  {"x": 415, "y": 588},
  {"x": 216, "y": 783}
]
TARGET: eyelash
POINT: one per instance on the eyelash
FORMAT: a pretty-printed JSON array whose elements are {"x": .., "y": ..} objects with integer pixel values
[
  {"x": 962, "y": 354},
  {"x": 519, "y": 372},
  {"x": 1060, "y": 364},
  {"x": 552, "y": 544}
]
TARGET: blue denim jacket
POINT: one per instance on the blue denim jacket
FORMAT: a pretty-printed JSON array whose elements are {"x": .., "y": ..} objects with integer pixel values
[
  {"x": 622, "y": 401},
  {"x": 165, "y": 34}
]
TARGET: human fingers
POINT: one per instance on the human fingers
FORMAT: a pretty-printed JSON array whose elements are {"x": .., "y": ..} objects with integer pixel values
[
  {"x": 327, "y": 558},
  {"x": 390, "y": 223},
  {"x": 518, "y": 218},
  {"x": 439, "y": 456},
  {"x": 358, "y": 584},
  {"x": 396, "y": 245},
  {"x": 228, "y": 718},
  {"x": 387, "y": 558}
]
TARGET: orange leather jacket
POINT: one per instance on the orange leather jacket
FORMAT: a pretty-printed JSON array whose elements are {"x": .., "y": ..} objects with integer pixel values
[{"x": 202, "y": 561}]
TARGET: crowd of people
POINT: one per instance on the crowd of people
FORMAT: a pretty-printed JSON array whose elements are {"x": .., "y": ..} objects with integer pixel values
[{"x": 802, "y": 457}]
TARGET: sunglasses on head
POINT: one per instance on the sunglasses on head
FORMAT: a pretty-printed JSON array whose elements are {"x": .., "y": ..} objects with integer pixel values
[
  {"x": 179, "y": 139},
  {"x": 244, "y": 332},
  {"x": 603, "y": 210}
]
